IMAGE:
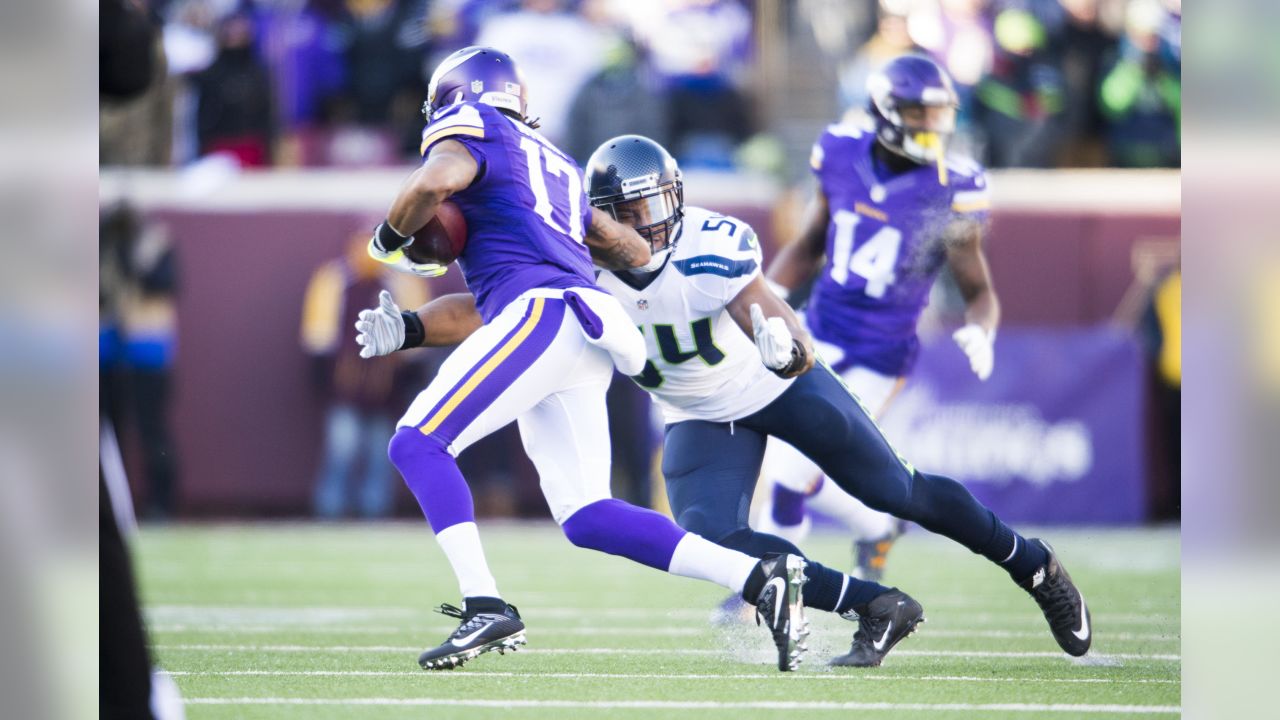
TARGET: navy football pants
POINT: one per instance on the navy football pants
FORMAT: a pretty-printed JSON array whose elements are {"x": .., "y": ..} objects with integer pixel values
[{"x": 711, "y": 469}]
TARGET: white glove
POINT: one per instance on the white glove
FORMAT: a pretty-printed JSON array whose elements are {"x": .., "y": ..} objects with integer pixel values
[
  {"x": 380, "y": 331},
  {"x": 397, "y": 260},
  {"x": 773, "y": 339},
  {"x": 974, "y": 340}
]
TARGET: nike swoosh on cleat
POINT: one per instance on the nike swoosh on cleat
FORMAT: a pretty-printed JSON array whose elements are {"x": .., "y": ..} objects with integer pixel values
[
  {"x": 780, "y": 588},
  {"x": 463, "y": 642},
  {"x": 879, "y": 644},
  {"x": 1083, "y": 632}
]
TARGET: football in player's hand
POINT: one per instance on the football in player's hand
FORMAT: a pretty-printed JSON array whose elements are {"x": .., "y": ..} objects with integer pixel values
[{"x": 442, "y": 239}]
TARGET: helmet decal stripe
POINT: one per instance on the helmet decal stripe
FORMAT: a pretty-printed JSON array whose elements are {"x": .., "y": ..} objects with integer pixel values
[{"x": 446, "y": 66}]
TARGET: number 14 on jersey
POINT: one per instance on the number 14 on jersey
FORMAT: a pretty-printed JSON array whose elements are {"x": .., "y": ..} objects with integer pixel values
[{"x": 874, "y": 260}]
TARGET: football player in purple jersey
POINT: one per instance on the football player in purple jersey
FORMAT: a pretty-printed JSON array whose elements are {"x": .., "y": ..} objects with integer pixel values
[
  {"x": 539, "y": 341},
  {"x": 892, "y": 208}
]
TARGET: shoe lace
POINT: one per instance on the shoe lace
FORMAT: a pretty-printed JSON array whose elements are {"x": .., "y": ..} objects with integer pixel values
[
  {"x": 764, "y": 608},
  {"x": 1056, "y": 601},
  {"x": 869, "y": 627},
  {"x": 470, "y": 621}
]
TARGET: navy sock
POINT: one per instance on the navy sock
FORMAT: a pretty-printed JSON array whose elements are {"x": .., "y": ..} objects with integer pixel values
[
  {"x": 944, "y": 506},
  {"x": 827, "y": 589},
  {"x": 1012, "y": 552}
]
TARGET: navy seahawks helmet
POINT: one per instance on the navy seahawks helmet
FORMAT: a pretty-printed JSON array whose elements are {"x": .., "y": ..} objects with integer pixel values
[
  {"x": 638, "y": 177},
  {"x": 477, "y": 74},
  {"x": 913, "y": 104}
]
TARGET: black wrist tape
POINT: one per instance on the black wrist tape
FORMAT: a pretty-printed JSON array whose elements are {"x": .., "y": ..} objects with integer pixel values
[
  {"x": 414, "y": 333},
  {"x": 390, "y": 240},
  {"x": 799, "y": 355}
]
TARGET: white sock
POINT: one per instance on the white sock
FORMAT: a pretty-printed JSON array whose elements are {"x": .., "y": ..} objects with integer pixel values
[
  {"x": 697, "y": 557},
  {"x": 862, "y": 521},
  {"x": 461, "y": 544}
]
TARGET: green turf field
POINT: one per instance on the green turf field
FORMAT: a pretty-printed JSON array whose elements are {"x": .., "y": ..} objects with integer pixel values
[{"x": 303, "y": 621}]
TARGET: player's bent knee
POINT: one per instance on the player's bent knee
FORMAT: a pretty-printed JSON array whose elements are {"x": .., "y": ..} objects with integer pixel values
[
  {"x": 585, "y": 527},
  {"x": 409, "y": 448}
]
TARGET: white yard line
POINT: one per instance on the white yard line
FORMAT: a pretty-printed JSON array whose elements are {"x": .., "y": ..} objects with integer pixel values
[
  {"x": 698, "y": 705},
  {"x": 600, "y": 630},
  {"x": 829, "y": 675},
  {"x": 592, "y": 630},
  {"x": 335, "y": 614},
  {"x": 639, "y": 651}
]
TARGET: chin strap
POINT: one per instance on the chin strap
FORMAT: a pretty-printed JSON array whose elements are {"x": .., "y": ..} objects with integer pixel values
[
  {"x": 931, "y": 141},
  {"x": 656, "y": 261}
]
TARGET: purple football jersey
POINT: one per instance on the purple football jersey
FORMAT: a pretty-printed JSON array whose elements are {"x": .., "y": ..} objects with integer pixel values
[
  {"x": 885, "y": 247},
  {"x": 526, "y": 212}
]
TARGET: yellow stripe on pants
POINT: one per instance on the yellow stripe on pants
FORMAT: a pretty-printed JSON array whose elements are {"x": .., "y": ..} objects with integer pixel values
[{"x": 485, "y": 370}]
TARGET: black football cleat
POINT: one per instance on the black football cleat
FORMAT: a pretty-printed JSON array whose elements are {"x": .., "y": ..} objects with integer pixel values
[
  {"x": 487, "y": 624},
  {"x": 1062, "y": 604},
  {"x": 780, "y": 606},
  {"x": 882, "y": 623}
]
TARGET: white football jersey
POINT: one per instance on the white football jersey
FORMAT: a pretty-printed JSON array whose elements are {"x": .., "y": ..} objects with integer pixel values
[{"x": 701, "y": 366}]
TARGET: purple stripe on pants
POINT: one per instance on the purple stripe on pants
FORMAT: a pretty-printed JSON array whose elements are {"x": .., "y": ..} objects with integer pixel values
[{"x": 512, "y": 367}]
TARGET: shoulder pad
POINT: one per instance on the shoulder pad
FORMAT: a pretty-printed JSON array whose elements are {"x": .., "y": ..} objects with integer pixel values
[
  {"x": 721, "y": 246},
  {"x": 849, "y": 130},
  {"x": 461, "y": 119},
  {"x": 969, "y": 191},
  {"x": 720, "y": 234},
  {"x": 963, "y": 167},
  {"x": 837, "y": 137}
]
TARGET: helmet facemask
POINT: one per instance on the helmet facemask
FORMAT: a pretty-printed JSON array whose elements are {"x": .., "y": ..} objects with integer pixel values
[
  {"x": 915, "y": 114},
  {"x": 655, "y": 214}
]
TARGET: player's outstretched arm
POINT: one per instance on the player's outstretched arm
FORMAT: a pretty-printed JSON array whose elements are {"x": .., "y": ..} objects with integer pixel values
[
  {"x": 981, "y": 306},
  {"x": 447, "y": 320},
  {"x": 798, "y": 262},
  {"x": 615, "y": 246},
  {"x": 449, "y": 168},
  {"x": 785, "y": 346}
]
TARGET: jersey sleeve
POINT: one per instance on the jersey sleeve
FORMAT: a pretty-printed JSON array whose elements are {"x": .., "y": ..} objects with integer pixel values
[
  {"x": 465, "y": 122},
  {"x": 970, "y": 196},
  {"x": 835, "y": 141},
  {"x": 727, "y": 259}
]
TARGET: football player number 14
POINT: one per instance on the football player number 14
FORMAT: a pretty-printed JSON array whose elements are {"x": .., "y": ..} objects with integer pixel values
[
  {"x": 874, "y": 260},
  {"x": 544, "y": 164}
]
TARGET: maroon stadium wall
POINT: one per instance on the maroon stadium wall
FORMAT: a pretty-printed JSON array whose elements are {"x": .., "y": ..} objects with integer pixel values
[{"x": 248, "y": 424}]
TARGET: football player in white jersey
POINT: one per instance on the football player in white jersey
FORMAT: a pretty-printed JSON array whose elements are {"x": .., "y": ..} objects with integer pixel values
[{"x": 730, "y": 365}]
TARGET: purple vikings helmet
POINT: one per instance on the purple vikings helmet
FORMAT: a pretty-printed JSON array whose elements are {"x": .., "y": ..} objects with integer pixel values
[
  {"x": 477, "y": 74},
  {"x": 914, "y": 106}
]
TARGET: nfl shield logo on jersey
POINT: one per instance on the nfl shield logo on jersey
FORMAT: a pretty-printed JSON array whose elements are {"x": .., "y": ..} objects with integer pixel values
[
  {"x": 477, "y": 86},
  {"x": 642, "y": 304}
]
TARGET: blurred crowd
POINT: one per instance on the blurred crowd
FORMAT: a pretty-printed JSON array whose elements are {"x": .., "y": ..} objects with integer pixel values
[
  {"x": 1045, "y": 83},
  {"x": 340, "y": 82}
]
